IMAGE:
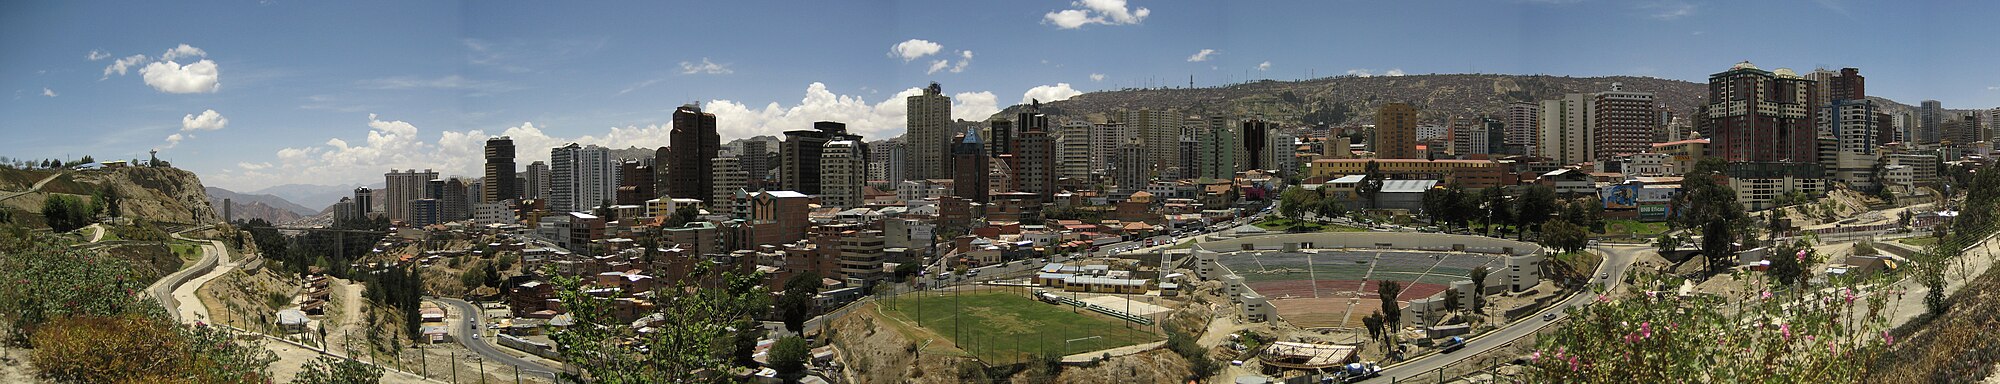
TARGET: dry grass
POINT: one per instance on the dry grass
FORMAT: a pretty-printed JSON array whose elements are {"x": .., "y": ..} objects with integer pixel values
[{"x": 1958, "y": 347}]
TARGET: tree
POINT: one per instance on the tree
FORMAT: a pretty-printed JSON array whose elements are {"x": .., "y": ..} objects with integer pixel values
[
  {"x": 1294, "y": 201},
  {"x": 1451, "y": 300},
  {"x": 65, "y": 213},
  {"x": 1789, "y": 263},
  {"x": 1536, "y": 206},
  {"x": 1498, "y": 212},
  {"x": 1478, "y": 276},
  {"x": 328, "y": 369},
  {"x": 1436, "y": 204},
  {"x": 796, "y": 303},
  {"x": 1466, "y": 206},
  {"x": 490, "y": 276},
  {"x": 1708, "y": 207},
  {"x": 472, "y": 278},
  {"x": 1371, "y": 184},
  {"x": 1392, "y": 314},
  {"x": 1374, "y": 324},
  {"x": 702, "y": 331},
  {"x": 1329, "y": 208},
  {"x": 1667, "y": 242},
  {"x": 1564, "y": 236},
  {"x": 788, "y": 357}
]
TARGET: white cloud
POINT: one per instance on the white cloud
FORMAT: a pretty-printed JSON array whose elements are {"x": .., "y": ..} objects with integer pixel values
[
  {"x": 1106, "y": 12},
  {"x": 48, "y": 92},
  {"x": 913, "y": 49},
  {"x": 1096, "y": 77},
  {"x": 938, "y": 65},
  {"x": 1993, "y": 88},
  {"x": 965, "y": 59},
  {"x": 399, "y": 144},
  {"x": 170, "y": 77},
  {"x": 121, "y": 65},
  {"x": 706, "y": 67},
  {"x": 1201, "y": 56},
  {"x": 253, "y": 166},
  {"x": 183, "y": 51},
  {"x": 175, "y": 139},
  {"x": 1668, "y": 10},
  {"x": 97, "y": 54},
  {"x": 208, "y": 120},
  {"x": 1049, "y": 93},
  {"x": 1363, "y": 72},
  {"x": 1265, "y": 66}
]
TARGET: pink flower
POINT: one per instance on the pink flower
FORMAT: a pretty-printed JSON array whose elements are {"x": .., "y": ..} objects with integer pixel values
[
  {"x": 1646, "y": 329},
  {"x": 1786, "y": 329},
  {"x": 1766, "y": 295},
  {"x": 1887, "y": 338},
  {"x": 1536, "y": 356},
  {"x": 1802, "y": 255},
  {"x": 1849, "y": 293},
  {"x": 1572, "y": 364}
]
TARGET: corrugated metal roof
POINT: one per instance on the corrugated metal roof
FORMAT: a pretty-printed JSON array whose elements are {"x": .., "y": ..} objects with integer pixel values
[{"x": 1408, "y": 186}]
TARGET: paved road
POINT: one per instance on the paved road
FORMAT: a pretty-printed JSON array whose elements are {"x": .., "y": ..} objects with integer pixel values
[
  {"x": 1617, "y": 260},
  {"x": 185, "y": 292},
  {"x": 36, "y": 187},
  {"x": 163, "y": 289},
  {"x": 470, "y": 317}
]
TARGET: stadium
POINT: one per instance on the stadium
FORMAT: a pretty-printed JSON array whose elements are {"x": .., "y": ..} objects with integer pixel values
[{"x": 1330, "y": 280}]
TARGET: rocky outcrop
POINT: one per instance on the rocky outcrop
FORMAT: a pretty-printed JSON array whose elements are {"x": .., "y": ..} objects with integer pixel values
[{"x": 163, "y": 195}]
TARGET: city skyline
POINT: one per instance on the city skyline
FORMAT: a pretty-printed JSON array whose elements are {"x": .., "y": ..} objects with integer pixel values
[{"x": 318, "y": 95}]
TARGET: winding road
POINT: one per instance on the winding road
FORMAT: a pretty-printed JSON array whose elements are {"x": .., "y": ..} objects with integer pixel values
[
  {"x": 164, "y": 289},
  {"x": 33, "y": 189},
  {"x": 1617, "y": 260},
  {"x": 468, "y": 319}
]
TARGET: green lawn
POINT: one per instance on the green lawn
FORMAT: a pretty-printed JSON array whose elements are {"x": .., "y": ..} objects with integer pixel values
[
  {"x": 1003, "y": 327},
  {"x": 1280, "y": 224},
  {"x": 109, "y": 235},
  {"x": 1924, "y": 241},
  {"x": 1622, "y": 228},
  {"x": 188, "y": 252}
]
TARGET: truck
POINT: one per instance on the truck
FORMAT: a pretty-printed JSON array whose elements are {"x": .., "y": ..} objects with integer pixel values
[
  {"x": 1357, "y": 372},
  {"x": 1453, "y": 344}
]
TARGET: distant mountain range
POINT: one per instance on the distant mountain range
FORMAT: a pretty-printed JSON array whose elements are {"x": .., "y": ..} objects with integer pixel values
[
  {"x": 258, "y": 206},
  {"x": 313, "y": 197}
]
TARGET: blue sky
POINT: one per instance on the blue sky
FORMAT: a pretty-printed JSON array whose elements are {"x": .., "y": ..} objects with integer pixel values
[{"x": 328, "y": 93}]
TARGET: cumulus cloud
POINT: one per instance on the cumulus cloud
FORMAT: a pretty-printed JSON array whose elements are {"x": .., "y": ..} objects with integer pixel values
[
  {"x": 253, "y": 166},
  {"x": 208, "y": 120},
  {"x": 964, "y": 60},
  {"x": 183, "y": 51},
  {"x": 97, "y": 54},
  {"x": 1201, "y": 56},
  {"x": 913, "y": 49},
  {"x": 48, "y": 92},
  {"x": 938, "y": 65},
  {"x": 170, "y": 77},
  {"x": 1086, "y": 12},
  {"x": 706, "y": 67},
  {"x": 175, "y": 139},
  {"x": 1096, "y": 77},
  {"x": 1049, "y": 93},
  {"x": 123, "y": 64},
  {"x": 1364, "y": 72},
  {"x": 399, "y": 144},
  {"x": 1265, "y": 66}
]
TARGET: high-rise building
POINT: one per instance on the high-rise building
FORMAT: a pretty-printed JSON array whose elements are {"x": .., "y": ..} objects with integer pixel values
[
  {"x": 581, "y": 178},
  {"x": 453, "y": 202},
  {"x": 752, "y": 159},
  {"x": 1755, "y": 115},
  {"x": 1565, "y": 129},
  {"x": 1621, "y": 123},
  {"x": 898, "y": 153},
  {"x": 1191, "y": 156},
  {"x": 729, "y": 178},
  {"x": 1930, "y": 117},
  {"x": 1035, "y": 155},
  {"x": 1282, "y": 153},
  {"x": 1522, "y": 121},
  {"x": 1468, "y": 136},
  {"x": 1130, "y": 167},
  {"x": 969, "y": 168},
  {"x": 801, "y": 152},
  {"x": 1220, "y": 144},
  {"x": 840, "y": 174},
  {"x": 694, "y": 144},
  {"x": 1256, "y": 137},
  {"x": 635, "y": 182},
  {"x": 537, "y": 177},
  {"x": 402, "y": 187},
  {"x": 500, "y": 171},
  {"x": 927, "y": 142},
  {"x": 364, "y": 202},
  {"x": 1000, "y": 137},
  {"x": 1159, "y": 131},
  {"x": 861, "y": 257},
  {"x": 1104, "y": 141},
  {"x": 1395, "y": 132},
  {"x": 1074, "y": 146}
]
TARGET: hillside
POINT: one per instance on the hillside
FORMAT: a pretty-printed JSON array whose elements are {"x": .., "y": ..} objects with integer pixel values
[
  {"x": 163, "y": 195},
  {"x": 268, "y": 207},
  {"x": 1352, "y": 99}
]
